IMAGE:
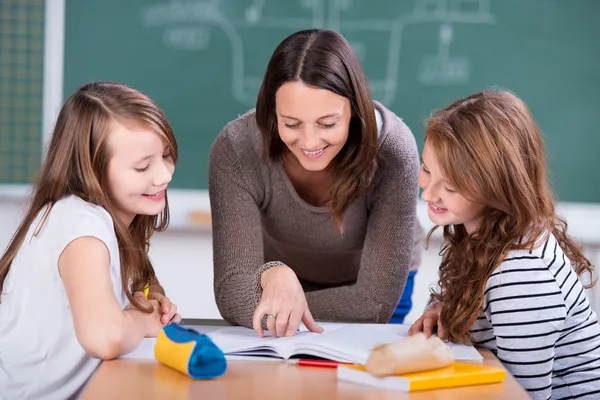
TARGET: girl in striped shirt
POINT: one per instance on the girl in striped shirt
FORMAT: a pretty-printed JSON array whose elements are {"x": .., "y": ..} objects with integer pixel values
[{"x": 509, "y": 277}]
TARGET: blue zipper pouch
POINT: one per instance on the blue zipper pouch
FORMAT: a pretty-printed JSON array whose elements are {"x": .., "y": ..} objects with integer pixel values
[{"x": 190, "y": 352}]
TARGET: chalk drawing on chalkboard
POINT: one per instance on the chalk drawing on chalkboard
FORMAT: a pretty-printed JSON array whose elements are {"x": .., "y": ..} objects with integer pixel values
[
  {"x": 443, "y": 69},
  {"x": 187, "y": 26}
]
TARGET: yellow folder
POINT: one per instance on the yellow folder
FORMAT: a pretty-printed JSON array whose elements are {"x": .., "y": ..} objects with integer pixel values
[{"x": 457, "y": 374}]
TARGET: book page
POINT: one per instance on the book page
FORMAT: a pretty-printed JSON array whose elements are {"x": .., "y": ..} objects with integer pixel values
[
  {"x": 354, "y": 342},
  {"x": 340, "y": 342},
  {"x": 145, "y": 350},
  {"x": 240, "y": 340}
]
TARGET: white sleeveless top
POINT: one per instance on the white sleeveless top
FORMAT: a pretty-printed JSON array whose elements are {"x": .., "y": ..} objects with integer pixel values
[{"x": 40, "y": 356}]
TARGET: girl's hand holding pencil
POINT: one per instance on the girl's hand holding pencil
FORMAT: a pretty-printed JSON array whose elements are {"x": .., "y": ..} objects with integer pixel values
[{"x": 167, "y": 308}]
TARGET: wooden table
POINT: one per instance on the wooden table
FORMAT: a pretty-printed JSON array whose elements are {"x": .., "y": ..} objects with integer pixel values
[{"x": 142, "y": 379}]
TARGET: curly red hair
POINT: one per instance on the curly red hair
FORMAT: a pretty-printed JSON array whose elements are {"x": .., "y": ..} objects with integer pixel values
[{"x": 491, "y": 150}]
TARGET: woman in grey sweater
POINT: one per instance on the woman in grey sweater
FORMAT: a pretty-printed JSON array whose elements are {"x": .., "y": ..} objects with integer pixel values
[{"x": 313, "y": 196}]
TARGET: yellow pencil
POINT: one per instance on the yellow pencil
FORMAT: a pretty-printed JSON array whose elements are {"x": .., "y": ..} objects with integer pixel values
[{"x": 146, "y": 290}]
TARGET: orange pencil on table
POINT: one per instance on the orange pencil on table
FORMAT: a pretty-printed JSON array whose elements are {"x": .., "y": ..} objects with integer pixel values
[{"x": 317, "y": 363}]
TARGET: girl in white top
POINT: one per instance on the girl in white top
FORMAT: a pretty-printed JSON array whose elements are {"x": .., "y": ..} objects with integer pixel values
[{"x": 72, "y": 276}]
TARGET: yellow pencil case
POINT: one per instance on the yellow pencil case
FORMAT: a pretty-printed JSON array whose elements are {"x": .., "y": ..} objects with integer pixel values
[{"x": 190, "y": 352}]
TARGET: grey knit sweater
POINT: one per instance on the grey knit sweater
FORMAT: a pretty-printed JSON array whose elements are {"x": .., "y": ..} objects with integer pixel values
[{"x": 258, "y": 217}]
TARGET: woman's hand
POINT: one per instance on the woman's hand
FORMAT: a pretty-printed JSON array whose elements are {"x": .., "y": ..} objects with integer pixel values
[
  {"x": 168, "y": 310},
  {"x": 428, "y": 321},
  {"x": 284, "y": 304}
]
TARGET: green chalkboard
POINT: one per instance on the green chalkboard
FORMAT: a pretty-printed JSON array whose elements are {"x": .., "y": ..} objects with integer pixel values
[
  {"x": 21, "y": 94},
  {"x": 203, "y": 61}
]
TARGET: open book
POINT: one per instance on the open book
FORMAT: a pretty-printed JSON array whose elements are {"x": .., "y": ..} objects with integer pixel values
[{"x": 339, "y": 342}]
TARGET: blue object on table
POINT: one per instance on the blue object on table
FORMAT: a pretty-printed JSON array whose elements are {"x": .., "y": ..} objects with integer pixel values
[{"x": 190, "y": 352}]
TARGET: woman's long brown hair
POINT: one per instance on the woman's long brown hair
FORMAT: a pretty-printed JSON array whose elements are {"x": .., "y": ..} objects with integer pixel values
[
  {"x": 490, "y": 149},
  {"x": 77, "y": 162},
  {"x": 323, "y": 59}
]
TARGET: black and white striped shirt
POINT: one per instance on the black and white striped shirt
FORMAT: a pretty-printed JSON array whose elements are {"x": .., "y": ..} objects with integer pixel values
[{"x": 538, "y": 321}]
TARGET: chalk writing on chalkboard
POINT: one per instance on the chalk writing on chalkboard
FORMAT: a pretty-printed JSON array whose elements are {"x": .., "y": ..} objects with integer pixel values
[{"x": 188, "y": 26}]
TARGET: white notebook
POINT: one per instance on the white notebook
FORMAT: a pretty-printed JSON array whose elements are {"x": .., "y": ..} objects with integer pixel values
[{"x": 339, "y": 342}]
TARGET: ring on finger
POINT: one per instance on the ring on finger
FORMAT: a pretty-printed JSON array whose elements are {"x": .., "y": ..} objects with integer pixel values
[{"x": 271, "y": 315}]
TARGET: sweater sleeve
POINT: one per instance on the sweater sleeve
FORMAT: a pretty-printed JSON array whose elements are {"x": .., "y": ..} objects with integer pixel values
[
  {"x": 237, "y": 235},
  {"x": 389, "y": 241}
]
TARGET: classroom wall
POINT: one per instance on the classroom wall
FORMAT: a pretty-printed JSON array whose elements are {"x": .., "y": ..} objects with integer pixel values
[{"x": 182, "y": 256}]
